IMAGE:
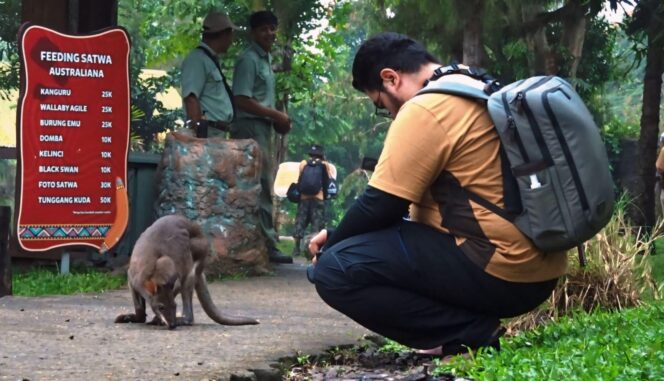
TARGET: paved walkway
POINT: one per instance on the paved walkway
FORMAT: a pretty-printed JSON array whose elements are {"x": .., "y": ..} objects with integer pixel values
[{"x": 74, "y": 337}]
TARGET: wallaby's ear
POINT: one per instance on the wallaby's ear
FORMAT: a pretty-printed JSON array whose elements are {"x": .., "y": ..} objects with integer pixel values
[
  {"x": 150, "y": 286},
  {"x": 164, "y": 273}
]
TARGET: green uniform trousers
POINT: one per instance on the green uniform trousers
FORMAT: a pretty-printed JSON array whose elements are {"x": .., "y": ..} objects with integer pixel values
[{"x": 261, "y": 131}]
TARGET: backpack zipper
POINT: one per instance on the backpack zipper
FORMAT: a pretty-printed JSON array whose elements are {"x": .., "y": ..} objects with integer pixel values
[
  {"x": 511, "y": 126},
  {"x": 565, "y": 147},
  {"x": 539, "y": 138},
  {"x": 537, "y": 84}
]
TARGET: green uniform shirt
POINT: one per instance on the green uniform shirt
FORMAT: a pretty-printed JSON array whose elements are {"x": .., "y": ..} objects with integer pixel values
[
  {"x": 254, "y": 78},
  {"x": 201, "y": 77}
]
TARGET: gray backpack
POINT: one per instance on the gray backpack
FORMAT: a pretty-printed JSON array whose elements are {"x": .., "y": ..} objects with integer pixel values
[{"x": 558, "y": 188}]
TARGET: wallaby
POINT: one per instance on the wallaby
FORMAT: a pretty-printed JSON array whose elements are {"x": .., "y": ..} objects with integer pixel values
[{"x": 169, "y": 258}]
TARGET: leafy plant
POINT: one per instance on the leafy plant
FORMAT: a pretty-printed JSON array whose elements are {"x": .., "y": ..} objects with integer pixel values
[
  {"x": 617, "y": 276},
  {"x": 353, "y": 185},
  {"x": 149, "y": 116},
  {"x": 393, "y": 346},
  {"x": 622, "y": 345},
  {"x": 616, "y": 131},
  {"x": 303, "y": 359}
]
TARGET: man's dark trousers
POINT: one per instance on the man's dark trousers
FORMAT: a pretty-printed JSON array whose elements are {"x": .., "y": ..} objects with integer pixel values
[{"x": 413, "y": 284}]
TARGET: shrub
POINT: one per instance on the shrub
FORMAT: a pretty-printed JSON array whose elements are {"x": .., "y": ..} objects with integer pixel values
[
  {"x": 617, "y": 276},
  {"x": 614, "y": 132}
]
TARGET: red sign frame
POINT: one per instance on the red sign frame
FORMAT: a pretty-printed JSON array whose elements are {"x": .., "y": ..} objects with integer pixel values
[{"x": 73, "y": 138}]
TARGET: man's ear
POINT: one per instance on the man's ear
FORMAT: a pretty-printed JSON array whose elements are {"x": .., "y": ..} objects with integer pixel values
[{"x": 390, "y": 77}]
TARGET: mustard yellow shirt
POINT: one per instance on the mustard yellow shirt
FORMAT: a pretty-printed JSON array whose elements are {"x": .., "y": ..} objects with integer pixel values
[{"x": 437, "y": 142}]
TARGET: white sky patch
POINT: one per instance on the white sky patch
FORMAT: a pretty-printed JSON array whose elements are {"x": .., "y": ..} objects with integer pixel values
[
  {"x": 617, "y": 15},
  {"x": 321, "y": 25}
]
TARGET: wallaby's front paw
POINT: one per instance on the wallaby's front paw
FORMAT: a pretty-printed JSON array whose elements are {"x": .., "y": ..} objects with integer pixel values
[
  {"x": 156, "y": 321},
  {"x": 129, "y": 318}
]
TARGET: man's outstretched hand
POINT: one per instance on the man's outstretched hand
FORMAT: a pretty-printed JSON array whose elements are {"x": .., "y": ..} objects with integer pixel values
[{"x": 316, "y": 243}]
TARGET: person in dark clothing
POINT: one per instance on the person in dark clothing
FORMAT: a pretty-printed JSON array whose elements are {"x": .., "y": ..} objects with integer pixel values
[
  {"x": 311, "y": 208},
  {"x": 441, "y": 279}
]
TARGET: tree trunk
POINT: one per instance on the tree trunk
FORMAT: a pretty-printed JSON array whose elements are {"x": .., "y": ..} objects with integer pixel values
[
  {"x": 473, "y": 47},
  {"x": 574, "y": 34},
  {"x": 538, "y": 46},
  {"x": 652, "y": 88}
]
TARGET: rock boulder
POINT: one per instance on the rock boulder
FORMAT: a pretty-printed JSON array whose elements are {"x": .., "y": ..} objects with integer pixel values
[{"x": 216, "y": 182}]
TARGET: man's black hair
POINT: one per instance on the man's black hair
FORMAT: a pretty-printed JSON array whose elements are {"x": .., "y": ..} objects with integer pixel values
[
  {"x": 387, "y": 50},
  {"x": 260, "y": 18}
]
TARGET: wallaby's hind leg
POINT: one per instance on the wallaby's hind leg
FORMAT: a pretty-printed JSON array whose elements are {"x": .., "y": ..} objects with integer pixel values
[
  {"x": 139, "y": 307},
  {"x": 187, "y": 292}
]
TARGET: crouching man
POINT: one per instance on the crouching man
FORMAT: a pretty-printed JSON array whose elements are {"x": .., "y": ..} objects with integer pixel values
[{"x": 441, "y": 279}]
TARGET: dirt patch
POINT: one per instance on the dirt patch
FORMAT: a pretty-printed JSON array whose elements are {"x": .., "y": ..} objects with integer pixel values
[{"x": 363, "y": 361}]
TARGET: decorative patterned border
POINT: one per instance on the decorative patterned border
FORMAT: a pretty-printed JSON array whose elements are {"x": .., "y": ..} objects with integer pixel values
[{"x": 56, "y": 232}]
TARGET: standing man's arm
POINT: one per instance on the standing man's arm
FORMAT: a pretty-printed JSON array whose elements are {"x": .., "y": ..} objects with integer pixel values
[
  {"x": 192, "y": 108},
  {"x": 252, "y": 106},
  {"x": 192, "y": 84},
  {"x": 244, "y": 77}
]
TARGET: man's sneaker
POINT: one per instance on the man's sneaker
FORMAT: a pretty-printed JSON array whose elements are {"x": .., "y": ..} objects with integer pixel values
[{"x": 277, "y": 256}]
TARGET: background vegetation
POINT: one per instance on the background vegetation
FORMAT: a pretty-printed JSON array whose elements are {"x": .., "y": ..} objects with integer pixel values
[
  {"x": 512, "y": 39},
  {"x": 43, "y": 281}
]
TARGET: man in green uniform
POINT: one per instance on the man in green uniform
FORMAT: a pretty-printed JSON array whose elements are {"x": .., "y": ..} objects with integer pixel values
[
  {"x": 207, "y": 98},
  {"x": 253, "y": 86}
]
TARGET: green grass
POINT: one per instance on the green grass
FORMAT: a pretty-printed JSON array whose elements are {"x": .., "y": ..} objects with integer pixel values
[
  {"x": 657, "y": 261},
  {"x": 657, "y": 265},
  {"x": 623, "y": 345},
  {"x": 286, "y": 246},
  {"x": 41, "y": 281}
]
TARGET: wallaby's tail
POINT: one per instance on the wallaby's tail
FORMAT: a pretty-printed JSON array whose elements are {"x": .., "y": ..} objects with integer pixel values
[
  {"x": 194, "y": 229},
  {"x": 211, "y": 310}
]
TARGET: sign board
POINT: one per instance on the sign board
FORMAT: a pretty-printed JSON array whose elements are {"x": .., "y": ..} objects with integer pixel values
[
  {"x": 288, "y": 173},
  {"x": 73, "y": 138}
]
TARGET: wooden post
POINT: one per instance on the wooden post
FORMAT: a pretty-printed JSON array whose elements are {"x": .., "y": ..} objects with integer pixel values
[
  {"x": 5, "y": 260},
  {"x": 71, "y": 16}
]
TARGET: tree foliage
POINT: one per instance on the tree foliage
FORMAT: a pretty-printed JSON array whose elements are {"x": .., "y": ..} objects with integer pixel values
[
  {"x": 10, "y": 12},
  {"x": 317, "y": 41}
]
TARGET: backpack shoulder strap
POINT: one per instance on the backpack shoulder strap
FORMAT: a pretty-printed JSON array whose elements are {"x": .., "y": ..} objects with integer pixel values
[
  {"x": 325, "y": 179},
  {"x": 491, "y": 85},
  {"x": 434, "y": 86},
  {"x": 453, "y": 88},
  {"x": 223, "y": 77}
]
